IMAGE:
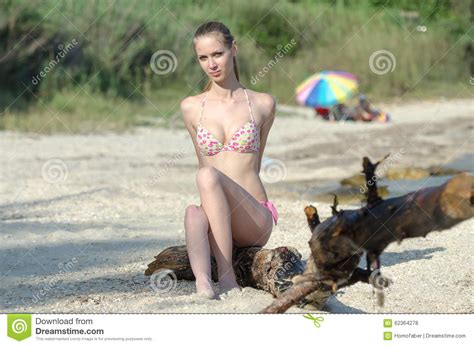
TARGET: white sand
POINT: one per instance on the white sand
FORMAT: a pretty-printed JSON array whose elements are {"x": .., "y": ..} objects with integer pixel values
[{"x": 82, "y": 244}]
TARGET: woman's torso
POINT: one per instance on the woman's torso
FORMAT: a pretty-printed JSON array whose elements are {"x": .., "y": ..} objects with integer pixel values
[{"x": 221, "y": 121}]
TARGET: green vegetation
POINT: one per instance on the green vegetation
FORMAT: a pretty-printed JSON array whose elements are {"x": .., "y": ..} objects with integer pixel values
[{"x": 105, "y": 81}]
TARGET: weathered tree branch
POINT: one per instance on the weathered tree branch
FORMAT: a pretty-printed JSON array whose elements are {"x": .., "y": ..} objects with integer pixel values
[{"x": 338, "y": 243}]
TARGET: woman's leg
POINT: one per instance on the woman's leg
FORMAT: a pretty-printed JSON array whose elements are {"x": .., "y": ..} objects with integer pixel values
[
  {"x": 196, "y": 228},
  {"x": 215, "y": 205},
  {"x": 234, "y": 216}
]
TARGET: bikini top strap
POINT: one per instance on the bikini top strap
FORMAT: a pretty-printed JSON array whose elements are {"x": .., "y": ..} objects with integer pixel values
[
  {"x": 250, "y": 107},
  {"x": 202, "y": 106}
]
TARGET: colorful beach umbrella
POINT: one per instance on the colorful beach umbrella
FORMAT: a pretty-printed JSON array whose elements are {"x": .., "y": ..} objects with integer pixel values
[{"x": 326, "y": 88}]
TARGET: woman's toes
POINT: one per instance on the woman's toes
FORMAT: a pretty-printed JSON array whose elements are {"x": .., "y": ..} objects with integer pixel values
[
  {"x": 225, "y": 287},
  {"x": 205, "y": 290},
  {"x": 207, "y": 294}
]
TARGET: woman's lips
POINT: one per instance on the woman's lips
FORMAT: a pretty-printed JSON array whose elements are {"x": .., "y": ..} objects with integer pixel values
[{"x": 215, "y": 74}]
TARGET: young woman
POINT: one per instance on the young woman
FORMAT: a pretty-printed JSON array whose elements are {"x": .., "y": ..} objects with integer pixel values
[{"x": 229, "y": 125}]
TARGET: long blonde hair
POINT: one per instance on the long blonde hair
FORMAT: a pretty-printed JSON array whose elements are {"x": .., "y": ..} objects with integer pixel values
[{"x": 226, "y": 38}]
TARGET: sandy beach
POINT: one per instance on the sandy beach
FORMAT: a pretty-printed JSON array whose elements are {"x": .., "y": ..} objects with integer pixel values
[{"x": 82, "y": 215}]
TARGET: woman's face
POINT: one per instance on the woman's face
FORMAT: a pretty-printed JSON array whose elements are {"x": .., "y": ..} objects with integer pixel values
[{"x": 214, "y": 57}]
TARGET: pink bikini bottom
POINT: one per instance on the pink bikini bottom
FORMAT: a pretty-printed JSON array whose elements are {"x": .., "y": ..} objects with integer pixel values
[{"x": 271, "y": 207}]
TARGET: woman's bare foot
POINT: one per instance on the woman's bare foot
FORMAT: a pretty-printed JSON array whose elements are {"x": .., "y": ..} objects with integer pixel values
[
  {"x": 204, "y": 289},
  {"x": 225, "y": 286},
  {"x": 230, "y": 292}
]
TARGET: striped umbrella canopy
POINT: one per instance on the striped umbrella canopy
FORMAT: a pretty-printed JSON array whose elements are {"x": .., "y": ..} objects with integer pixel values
[{"x": 326, "y": 88}]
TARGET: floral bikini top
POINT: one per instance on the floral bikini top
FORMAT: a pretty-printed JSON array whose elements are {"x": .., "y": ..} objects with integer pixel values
[{"x": 244, "y": 140}]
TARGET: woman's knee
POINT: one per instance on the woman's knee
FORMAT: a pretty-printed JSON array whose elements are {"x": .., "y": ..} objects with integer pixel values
[
  {"x": 194, "y": 213},
  {"x": 207, "y": 177}
]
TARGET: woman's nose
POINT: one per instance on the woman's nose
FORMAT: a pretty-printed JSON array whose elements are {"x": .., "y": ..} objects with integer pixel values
[{"x": 212, "y": 63}]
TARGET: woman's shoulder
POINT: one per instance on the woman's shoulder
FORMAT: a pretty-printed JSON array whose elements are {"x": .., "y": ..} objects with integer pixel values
[
  {"x": 264, "y": 101},
  {"x": 190, "y": 108},
  {"x": 189, "y": 103},
  {"x": 262, "y": 97}
]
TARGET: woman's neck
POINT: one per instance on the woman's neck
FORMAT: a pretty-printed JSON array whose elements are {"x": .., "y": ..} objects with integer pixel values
[{"x": 226, "y": 89}]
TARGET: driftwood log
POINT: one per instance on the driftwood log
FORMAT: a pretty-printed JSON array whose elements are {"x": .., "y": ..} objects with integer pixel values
[
  {"x": 338, "y": 243},
  {"x": 268, "y": 270}
]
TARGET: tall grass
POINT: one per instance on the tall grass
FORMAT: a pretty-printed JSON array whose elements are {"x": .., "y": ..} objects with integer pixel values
[{"x": 117, "y": 39}]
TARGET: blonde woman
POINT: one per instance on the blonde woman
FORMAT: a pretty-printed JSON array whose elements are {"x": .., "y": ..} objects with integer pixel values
[{"x": 229, "y": 126}]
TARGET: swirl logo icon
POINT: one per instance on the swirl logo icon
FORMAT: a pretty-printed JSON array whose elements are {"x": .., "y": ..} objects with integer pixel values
[
  {"x": 273, "y": 171},
  {"x": 163, "y": 280},
  {"x": 19, "y": 326},
  {"x": 163, "y": 62},
  {"x": 54, "y": 171},
  {"x": 382, "y": 61}
]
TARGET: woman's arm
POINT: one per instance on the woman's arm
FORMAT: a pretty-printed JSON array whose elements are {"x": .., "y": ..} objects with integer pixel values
[
  {"x": 188, "y": 110},
  {"x": 268, "y": 105}
]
